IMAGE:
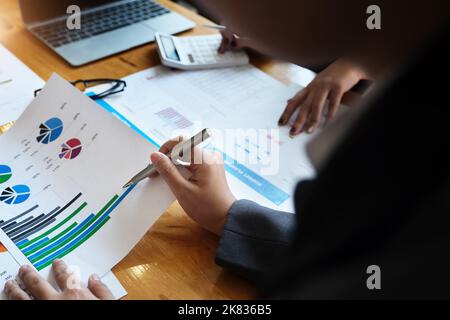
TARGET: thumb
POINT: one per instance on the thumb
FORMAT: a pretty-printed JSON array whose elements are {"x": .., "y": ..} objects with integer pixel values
[
  {"x": 177, "y": 183},
  {"x": 99, "y": 289}
]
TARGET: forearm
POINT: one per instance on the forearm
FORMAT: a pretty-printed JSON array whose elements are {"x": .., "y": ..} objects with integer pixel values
[{"x": 253, "y": 238}]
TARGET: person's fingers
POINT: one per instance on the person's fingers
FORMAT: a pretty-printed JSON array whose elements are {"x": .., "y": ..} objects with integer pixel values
[
  {"x": 237, "y": 43},
  {"x": 302, "y": 117},
  {"x": 318, "y": 103},
  {"x": 61, "y": 273},
  {"x": 208, "y": 159},
  {"x": 292, "y": 105},
  {"x": 226, "y": 41},
  {"x": 99, "y": 289},
  {"x": 177, "y": 183},
  {"x": 168, "y": 146},
  {"x": 14, "y": 292},
  {"x": 38, "y": 287},
  {"x": 334, "y": 103}
]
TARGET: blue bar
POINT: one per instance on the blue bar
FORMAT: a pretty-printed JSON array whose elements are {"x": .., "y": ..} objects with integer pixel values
[
  {"x": 87, "y": 231},
  {"x": 115, "y": 204},
  {"x": 71, "y": 244},
  {"x": 22, "y": 242},
  {"x": 35, "y": 245},
  {"x": 56, "y": 243}
]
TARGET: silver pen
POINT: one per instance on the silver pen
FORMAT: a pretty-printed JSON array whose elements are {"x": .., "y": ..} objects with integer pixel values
[
  {"x": 223, "y": 28},
  {"x": 215, "y": 26},
  {"x": 177, "y": 152}
]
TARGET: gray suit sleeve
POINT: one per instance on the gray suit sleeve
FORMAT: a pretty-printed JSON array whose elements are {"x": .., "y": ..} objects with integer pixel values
[{"x": 253, "y": 238}]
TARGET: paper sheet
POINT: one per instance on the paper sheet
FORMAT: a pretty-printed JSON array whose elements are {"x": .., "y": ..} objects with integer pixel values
[
  {"x": 62, "y": 168},
  {"x": 114, "y": 285},
  {"x": 17, "y": 86},
  {"x": 160, "y": 103},
  {"x": 9, "y": 268}
]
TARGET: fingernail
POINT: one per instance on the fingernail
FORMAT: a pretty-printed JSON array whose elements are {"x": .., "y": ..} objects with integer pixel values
[
  {"x": 95, "y": 277},
  {"x": 310, "y": 130},
  {"x": 280, "y": 122},
  {"x": 23, "y": 269},
  {"x": 155, "y": 157},
  {"x": 293, "y": 131},
  {"x": 9, "y": 283},
  {"x": 57, "y": 260}
]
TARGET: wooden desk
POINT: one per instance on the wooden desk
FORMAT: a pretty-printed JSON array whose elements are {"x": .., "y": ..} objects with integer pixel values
[{"x": 175, "y": 259}]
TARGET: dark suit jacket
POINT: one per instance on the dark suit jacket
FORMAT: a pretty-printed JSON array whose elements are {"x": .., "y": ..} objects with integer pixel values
[{"x": 382, "y": 199}]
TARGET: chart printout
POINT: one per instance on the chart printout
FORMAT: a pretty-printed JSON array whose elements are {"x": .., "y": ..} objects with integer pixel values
[
  {"x": 62, "y": 168},
  {"x": 240, "y": 103}
]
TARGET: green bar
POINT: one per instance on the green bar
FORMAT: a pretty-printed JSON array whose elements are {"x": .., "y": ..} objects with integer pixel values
[
  {"x": 62, "y": 244},
  {"x": 79, "y": 243},
  {"x": 107, "y": 206},
  {"x": 49, "y": 241},
  {"x": 54, "y": 228}
]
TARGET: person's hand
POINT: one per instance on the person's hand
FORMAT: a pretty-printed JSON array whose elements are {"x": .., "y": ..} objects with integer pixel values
[
  {"x": 205, "y": 196},
  {"x": 232, "y": 42},
  {"x": 41, "y": 289},
  {"x": 329, "y": 85}
]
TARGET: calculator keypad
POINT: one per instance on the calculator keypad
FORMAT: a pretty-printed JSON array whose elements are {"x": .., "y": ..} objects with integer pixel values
[{"x": 203, "y": 50}]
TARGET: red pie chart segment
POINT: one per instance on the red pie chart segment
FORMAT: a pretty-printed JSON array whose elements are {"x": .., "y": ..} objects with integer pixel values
[{"x": 70, "y": 149}]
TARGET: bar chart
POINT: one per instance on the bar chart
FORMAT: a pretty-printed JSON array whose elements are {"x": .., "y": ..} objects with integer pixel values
[
  {"x": 173, "y": 119},
  {"x": 58, "y": 198},
  {"x": 44, "y": 237}
]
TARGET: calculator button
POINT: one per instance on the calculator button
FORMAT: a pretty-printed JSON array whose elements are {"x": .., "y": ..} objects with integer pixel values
[{"x": 191, "y": 58}]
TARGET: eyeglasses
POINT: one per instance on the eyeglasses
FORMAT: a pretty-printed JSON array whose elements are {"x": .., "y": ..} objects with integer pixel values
[{"x": 112, "y": 86}]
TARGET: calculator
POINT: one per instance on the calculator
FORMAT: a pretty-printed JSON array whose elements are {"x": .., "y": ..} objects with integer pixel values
[{"x": 197, "y": 52}]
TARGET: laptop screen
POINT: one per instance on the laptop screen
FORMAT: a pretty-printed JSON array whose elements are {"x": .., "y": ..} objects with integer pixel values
[{"x": 40, "y": 10}]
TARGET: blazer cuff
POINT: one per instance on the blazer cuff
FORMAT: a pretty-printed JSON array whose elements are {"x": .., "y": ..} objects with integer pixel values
[{"x": 253, "y": 238}]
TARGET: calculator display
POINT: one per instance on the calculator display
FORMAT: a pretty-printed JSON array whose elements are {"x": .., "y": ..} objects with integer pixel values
[{"x": 169, "y": 48}]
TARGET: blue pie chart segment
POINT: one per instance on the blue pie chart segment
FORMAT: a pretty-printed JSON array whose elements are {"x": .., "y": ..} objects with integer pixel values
[
  {"x": 16, "y": 194},
  {"x": 50, "y": 130}
]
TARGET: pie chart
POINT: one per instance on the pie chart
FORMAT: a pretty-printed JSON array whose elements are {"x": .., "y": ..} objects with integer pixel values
[
  {"x": 71, "y": 149},
  {"x": 15, "y": 195},
  {"x": 5, "y": 173},
  {"x": 50, "y": 130}
]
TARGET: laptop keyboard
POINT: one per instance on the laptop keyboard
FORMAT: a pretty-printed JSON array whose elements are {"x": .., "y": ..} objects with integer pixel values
[{"x": 101, "y": 21}]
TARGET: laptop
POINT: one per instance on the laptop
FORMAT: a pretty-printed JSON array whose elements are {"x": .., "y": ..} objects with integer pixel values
[{"x": 107, "y": 26}]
